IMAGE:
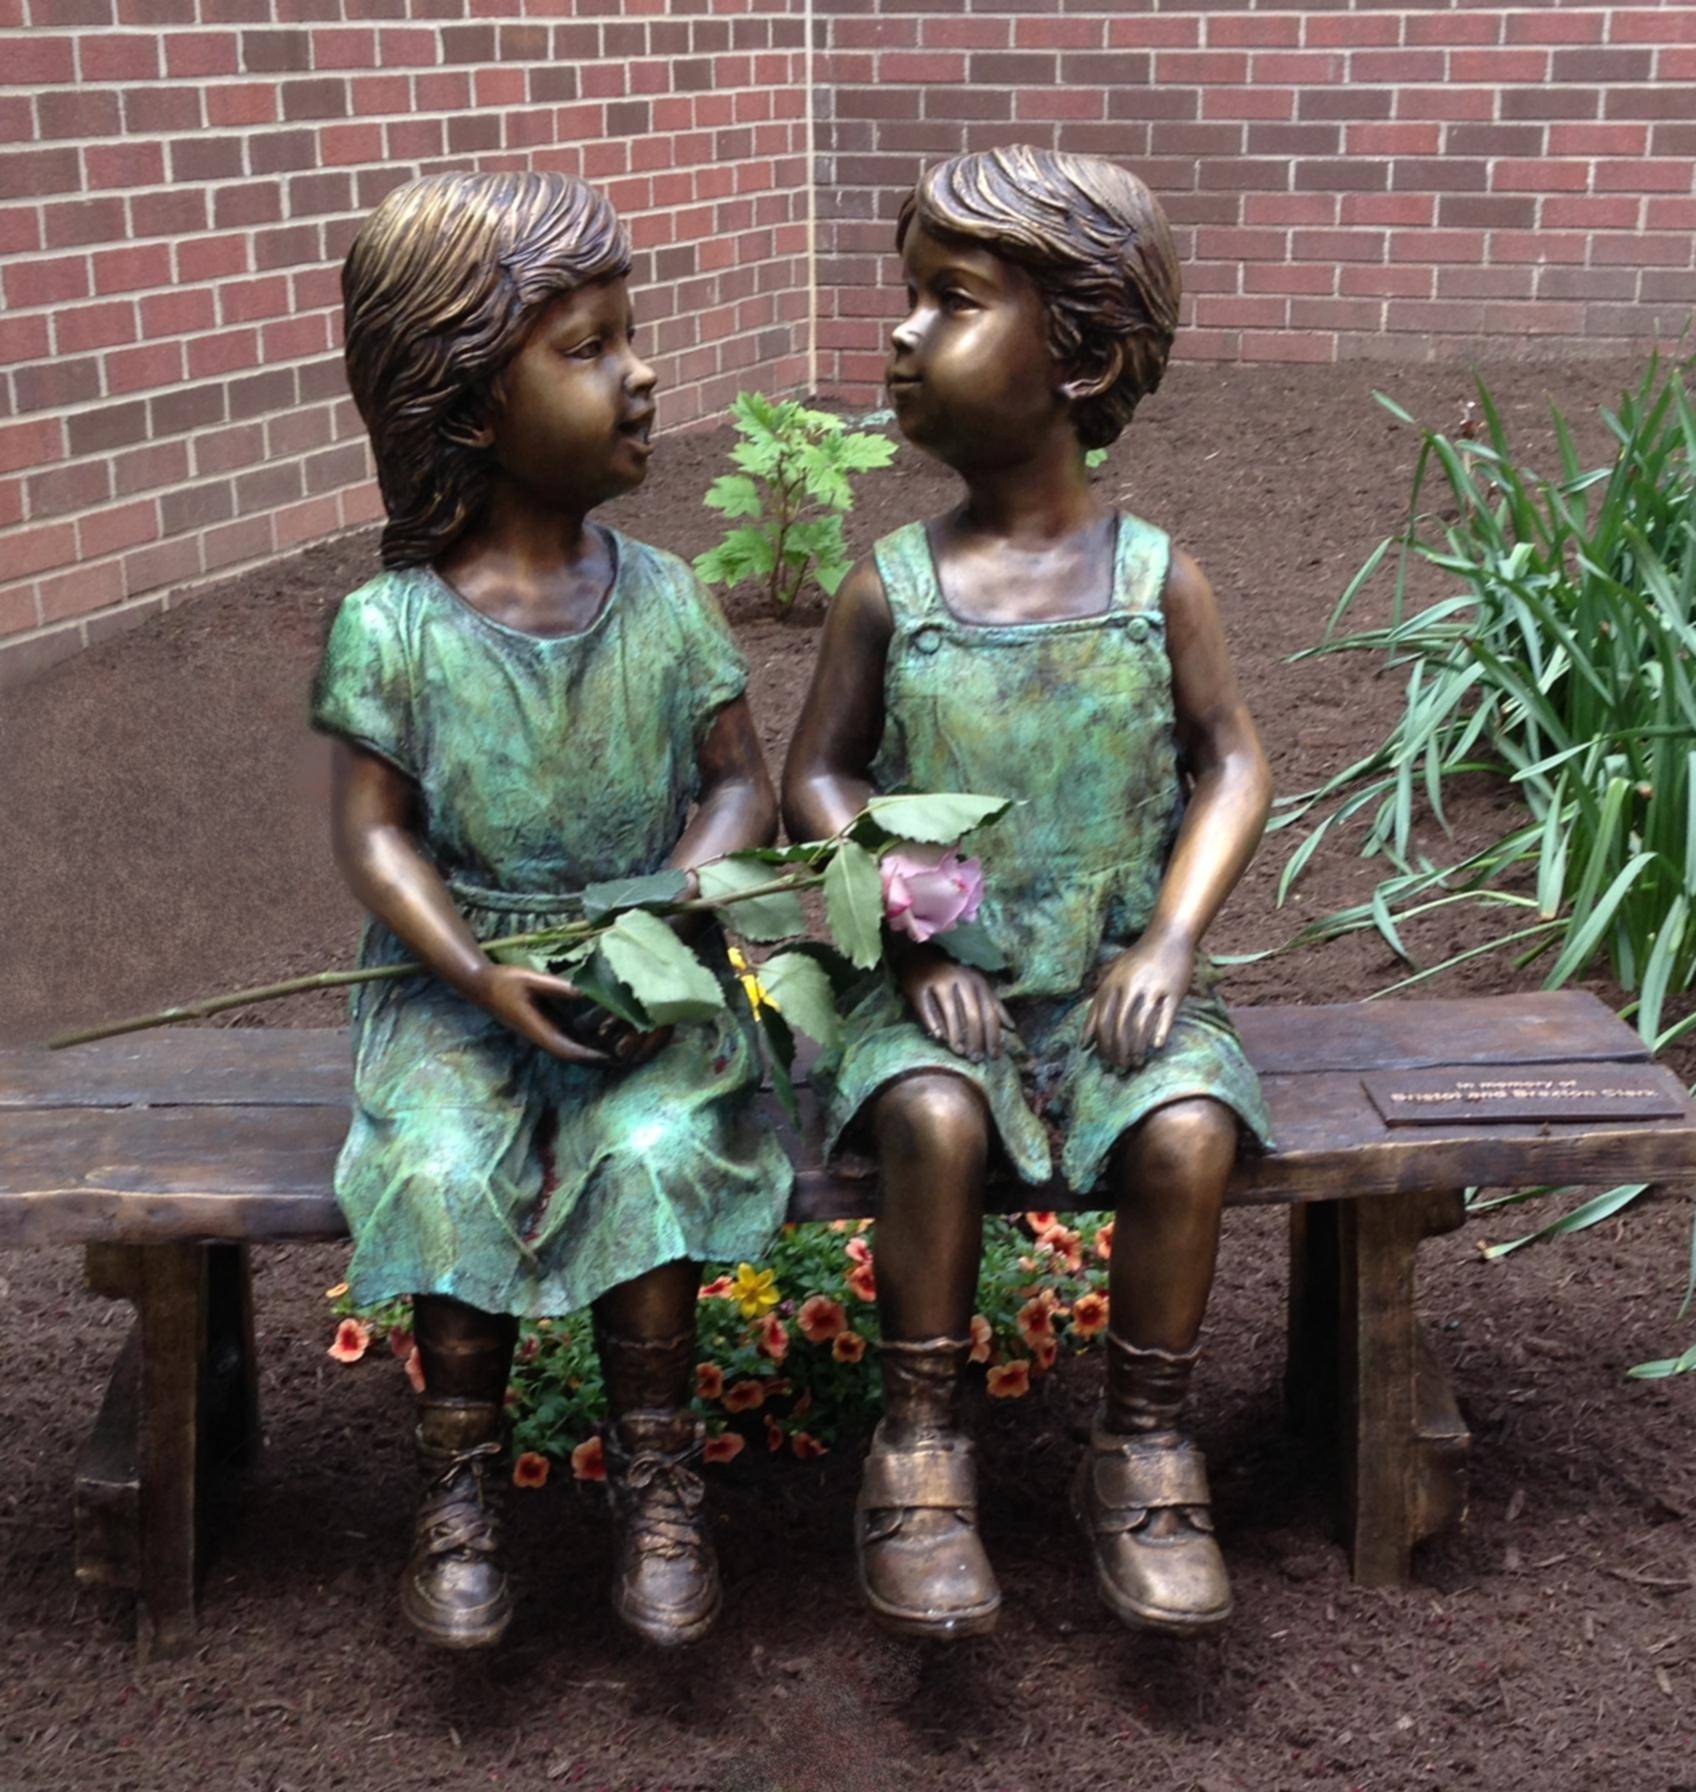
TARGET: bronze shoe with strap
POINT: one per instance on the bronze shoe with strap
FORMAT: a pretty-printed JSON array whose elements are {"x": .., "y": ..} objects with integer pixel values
[
  {"x": 455, "y": 1592},
  {"x": 1142, "y": 1498},
  {"x": 665, "y": 1573},
  {"x": 921, "y": 1563}
]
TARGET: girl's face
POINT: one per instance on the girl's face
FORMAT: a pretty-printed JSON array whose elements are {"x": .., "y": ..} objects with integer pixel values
[
  {"x": 577, "y": 402},
  {"x": 970, "y": 374}
]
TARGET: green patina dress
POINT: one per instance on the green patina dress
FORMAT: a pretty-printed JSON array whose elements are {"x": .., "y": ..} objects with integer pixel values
[
  {"x": 1074, "y": 718},
  {"x": 478, "y": 1165}
]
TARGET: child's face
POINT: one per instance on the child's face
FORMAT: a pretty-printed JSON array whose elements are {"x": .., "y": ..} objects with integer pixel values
[
  {"x": 577, "y": 404},
  {"x": 970, "y": 374}
]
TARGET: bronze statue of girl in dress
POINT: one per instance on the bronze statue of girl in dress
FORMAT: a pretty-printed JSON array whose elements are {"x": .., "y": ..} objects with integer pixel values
[
  {"x": 525, "y": 702},
  {"x": 1039, "y": 644}
]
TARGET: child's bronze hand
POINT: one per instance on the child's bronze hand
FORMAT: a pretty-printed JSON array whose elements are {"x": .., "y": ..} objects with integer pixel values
[
  {"x": 522, "y": 998},
  {"x": 955, "y": 1004},
  {"x": 1135, "y": 1004}
]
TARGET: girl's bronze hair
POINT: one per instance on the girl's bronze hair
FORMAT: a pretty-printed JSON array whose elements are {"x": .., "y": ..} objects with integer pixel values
[
  {"x": 441, "y": 287},
  {"x": 1098, "y": 246}
]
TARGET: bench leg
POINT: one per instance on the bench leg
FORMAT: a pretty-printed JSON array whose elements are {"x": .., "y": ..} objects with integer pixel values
[
  {"x": 144, "y": 1533},
  {"x": 1359, "y": 1371},
  {"x": 232, "y": 1366}
]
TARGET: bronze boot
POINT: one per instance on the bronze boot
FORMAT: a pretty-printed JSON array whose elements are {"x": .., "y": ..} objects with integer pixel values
[
  {"x": 1141, "y": 1496},
  {"x": 665, "y": 1582},
  {"x": 921, "y": 1562},
  {"x": 455, "y": 1591}
]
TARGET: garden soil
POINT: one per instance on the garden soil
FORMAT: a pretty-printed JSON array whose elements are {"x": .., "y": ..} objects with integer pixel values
[{"x": 162, "y": 836}]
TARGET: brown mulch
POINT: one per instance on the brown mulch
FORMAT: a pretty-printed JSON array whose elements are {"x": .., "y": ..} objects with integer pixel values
[{"x": 162, "y": 835}]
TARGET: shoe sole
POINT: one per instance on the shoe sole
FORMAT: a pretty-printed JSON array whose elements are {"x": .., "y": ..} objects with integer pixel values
[
  {"x": 898, "y": 1622},
  {"x": 461, "y": 1641},
  {"x": 671, "y": 1637}
]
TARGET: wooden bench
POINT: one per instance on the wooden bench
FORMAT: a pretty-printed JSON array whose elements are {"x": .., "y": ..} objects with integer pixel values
[{"x": 169, "y": 1154}]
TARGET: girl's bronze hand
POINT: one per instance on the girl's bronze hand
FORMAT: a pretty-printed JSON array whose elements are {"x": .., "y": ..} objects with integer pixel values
[
  {"x": 521, "y": 999},
  {"x": 955, "y": 1004},
  {"x": 1135, "y": 1004},
  {"x": 627, "y": 1045}
]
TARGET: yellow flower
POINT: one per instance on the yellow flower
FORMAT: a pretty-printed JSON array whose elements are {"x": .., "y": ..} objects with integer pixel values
[
  {"x": 752, "y": 987},
  {"x": 754, "y": 1290},
  {"x": 337, "y": 1292}
]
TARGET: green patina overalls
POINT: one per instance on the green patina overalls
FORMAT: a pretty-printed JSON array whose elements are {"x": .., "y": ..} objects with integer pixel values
[
  {"x": 1073, "y": 718},
  {"x": 478, "y": 1165}
]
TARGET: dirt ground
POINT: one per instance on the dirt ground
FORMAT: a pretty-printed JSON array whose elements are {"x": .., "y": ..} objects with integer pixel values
[{"x": 162, "y": 835}]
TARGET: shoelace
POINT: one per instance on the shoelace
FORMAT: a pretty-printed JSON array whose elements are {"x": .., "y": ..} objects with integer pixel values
[
  {"x": 461, "y": 1520},
  {"x": 664, "y": 1498}
]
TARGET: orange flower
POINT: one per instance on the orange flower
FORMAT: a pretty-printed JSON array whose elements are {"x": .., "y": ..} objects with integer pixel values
[
  {"x": 1040, "y": 1222},
  {"x": 821, "y": 1319},
  {"x": 1104, "y": 1240},
  {"x": 744, "y": 1396},
  {"x": 1062, "y": 1242},
  {"x": 774, "y": 1433},
  {"x": 588, "y": 1460},
  {"x": 726, "y": 1447},
  {"x": 1089, "y": 1314},
  {"x": 848, "y": 1347},
  {"x": 774, "y": 1338},
  {"x": 839, "y": 1225},
  {"x": 1036, "y": 1319},
  {"x": 862, "y": 1281},
  {"x": 352, "y": 1341},
  {"x": 337, "y": 1292},
  {"x": 983, "y": 1338},
  {"x": 1010, "y": 1380},
  {"x": 531, "y": 1470},
  {"x": 806, "y": 1446},
  {"x": 709, "y": 1380},
  {"x": 1043, "y": 1353},
  {"x": 400, "y": 1342},
  {"x": 858, "y": 1249},
  {"x": 716, "y": 1289},
  {"x": 415, "y": 1370}
]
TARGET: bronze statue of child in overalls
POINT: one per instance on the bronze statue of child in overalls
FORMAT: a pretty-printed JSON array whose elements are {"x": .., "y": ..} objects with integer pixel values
[
  {"x": 525, "y": 702},
  {"x": 1038, "y": 644}
]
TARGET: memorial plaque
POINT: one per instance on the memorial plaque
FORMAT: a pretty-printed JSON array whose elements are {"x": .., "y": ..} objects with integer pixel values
[{"x": 1508, "y": 1095}]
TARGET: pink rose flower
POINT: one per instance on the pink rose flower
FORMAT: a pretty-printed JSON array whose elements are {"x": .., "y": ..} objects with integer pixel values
[{"x": 929, "y": 889}]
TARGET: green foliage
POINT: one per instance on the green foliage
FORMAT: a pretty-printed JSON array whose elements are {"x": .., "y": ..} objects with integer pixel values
[
  {"x": 796, "y": 484},
  {"x": 1559, "y": 660}
]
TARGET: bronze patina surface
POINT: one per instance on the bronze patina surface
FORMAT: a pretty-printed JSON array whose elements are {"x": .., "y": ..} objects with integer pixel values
[
  {"x": 1034, "y": 643},
  {"x": 522, "y": 703}
]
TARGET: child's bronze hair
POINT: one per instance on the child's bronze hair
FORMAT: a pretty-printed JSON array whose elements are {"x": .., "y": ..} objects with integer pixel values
[
  {"x": 1098, "y": 246},
  {"x": 441, "y": 287}
]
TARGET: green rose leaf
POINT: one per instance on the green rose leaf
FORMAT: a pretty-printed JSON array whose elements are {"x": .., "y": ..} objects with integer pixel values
[
  {"x": 936, "y": 818},
  {"x": 780, "y": 1059},
  {"x": 619, "y": 893},
  {"x": 775, "y": 917},
  {"x": 660, "y": 971},
  {"x": 595, "y": 977},
  {"x": 969, "y": 942},
  {"x": 853, "y": 903},
  {"x": 800, "y": 987}
]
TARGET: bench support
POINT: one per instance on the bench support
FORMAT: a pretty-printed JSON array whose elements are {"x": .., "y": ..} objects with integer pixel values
[
  {"x": 181, "y": 1398},
  {"x": 1361, "y": 1375}
]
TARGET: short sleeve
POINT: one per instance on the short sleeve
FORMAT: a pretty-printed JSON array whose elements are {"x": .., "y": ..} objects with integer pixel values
[
  {"x": 363, "y": 691},
  {"x": 719, "y": 673}
]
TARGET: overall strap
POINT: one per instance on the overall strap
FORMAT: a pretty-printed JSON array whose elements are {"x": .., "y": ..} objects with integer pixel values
[
  {"x": 908, "y": 570},
  {"x": 1143, "y": 559}
]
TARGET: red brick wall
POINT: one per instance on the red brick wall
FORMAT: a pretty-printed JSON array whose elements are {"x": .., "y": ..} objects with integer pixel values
[
  {"x": 1347, "y": 177},
  {"x": 181, "y": 178}
]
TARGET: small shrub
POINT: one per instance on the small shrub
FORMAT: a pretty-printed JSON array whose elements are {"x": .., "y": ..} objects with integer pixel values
[{"x": 796, "y": 483}]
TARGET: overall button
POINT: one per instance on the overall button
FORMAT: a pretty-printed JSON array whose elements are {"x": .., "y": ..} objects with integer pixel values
[
  {"x": 1136, "y": 628},
  {"x": 927, "y": 639}
]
